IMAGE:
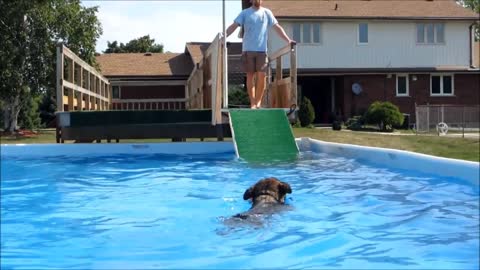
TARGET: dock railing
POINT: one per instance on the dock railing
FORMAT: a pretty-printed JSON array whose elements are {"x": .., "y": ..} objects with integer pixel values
[
  {"x": 282, "y": 91},
  {"x": 205, "y": 84},
  {"x": 149, "y": 104},
  {"x": 79, "y": 85}
]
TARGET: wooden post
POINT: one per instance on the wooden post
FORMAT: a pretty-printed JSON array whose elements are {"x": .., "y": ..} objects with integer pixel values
[
  {"x": 70, "y": 99},
  {"x": 80, "y": 101},
  {"x": 87, "y": 102},
  {"x": 219, "y": 130},
  {"x": 277, "y": 90},
  {"x": 219, "y": 88},
  {"x": 59, "y": 81},
  {"x": 81, "y": 78},
  {"x": 71, "y": 73},
  {"x": 87, "y": 86},
  {"x": 104, "y": 85},
  {"x": 278, "y": 75},
  {"x": 293, "y": 74}
]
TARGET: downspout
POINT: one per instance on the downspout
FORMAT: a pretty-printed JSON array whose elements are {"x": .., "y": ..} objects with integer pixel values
[{"x": 472, "y": 47}]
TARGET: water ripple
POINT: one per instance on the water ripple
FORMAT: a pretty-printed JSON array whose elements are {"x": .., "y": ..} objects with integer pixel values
[{"x": 167, "y": 211}]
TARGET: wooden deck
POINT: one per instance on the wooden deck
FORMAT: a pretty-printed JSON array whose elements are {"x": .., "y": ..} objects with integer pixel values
[{"x": 120, "y": 125}]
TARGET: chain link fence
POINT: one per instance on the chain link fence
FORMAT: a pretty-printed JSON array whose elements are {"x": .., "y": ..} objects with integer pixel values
[{"x": 447, "y": 119}]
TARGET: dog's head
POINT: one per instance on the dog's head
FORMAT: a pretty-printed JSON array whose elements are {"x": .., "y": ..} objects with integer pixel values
[{"x": 270, "y": 190}]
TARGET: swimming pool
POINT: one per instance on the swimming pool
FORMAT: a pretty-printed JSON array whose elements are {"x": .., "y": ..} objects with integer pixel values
[{"x": 167, "y": 209}]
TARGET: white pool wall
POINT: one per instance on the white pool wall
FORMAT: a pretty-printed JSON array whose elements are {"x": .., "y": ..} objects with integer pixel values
[
  {"x": 93, "y": 149},
  {"x": 389, "y": 158},
  {"x": 398, "y": 159}
]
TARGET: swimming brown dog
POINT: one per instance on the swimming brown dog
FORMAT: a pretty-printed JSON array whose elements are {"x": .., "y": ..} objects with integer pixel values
[{"x": 266, "y": 195}]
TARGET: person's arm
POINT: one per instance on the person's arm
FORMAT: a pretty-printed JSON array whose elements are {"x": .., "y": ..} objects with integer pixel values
[
  {"x": 232, "y": 28},
  {"x": 279, "y": 29}
]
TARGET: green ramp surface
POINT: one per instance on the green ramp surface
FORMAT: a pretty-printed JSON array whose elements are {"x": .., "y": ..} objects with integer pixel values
[{"x": 262, "y": 135}]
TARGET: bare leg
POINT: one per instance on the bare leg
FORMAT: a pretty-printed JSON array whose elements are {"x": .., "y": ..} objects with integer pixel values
[
  {"x": 260, "y": 88},
  {"x": 251, "y": 89}
]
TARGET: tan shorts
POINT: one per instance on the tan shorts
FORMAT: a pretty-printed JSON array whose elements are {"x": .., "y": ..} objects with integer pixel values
[{"x": 254, "y": 61}]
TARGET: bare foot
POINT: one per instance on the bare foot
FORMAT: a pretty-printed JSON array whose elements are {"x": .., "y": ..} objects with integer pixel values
[{"x": 253, "y": 107}]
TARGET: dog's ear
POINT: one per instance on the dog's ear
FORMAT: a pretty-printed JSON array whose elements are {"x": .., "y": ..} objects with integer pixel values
[
  {"x": 248, "y": 193},
  {"x": 285, "y": 188}
]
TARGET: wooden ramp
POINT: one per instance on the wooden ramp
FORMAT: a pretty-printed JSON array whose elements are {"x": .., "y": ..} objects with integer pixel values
[{"x": 262, "y": 135}]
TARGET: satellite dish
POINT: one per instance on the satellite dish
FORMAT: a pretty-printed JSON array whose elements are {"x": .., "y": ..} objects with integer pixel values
[{"x": 356, "y": 88}]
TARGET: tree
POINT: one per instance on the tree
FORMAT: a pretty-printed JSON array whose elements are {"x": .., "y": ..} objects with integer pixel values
[
  {"x": 29, "y": 117},
  {"x": 139, "y": 45},
  {"x": 475, "y": 6},
  {"x": 47, "y": 108},
  {"x": 30, "y": 30},
  {"x": 384, "y": 114}
]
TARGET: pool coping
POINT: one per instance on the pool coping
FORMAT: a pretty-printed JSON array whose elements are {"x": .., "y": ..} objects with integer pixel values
[
  {"x": 93, "y": 149},
  {"x": 393, "y": 158},
  {"x": 397, "y": 159}
]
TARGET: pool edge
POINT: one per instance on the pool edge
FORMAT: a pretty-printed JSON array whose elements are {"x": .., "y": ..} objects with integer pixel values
[
  {"x": 398, "y": 159},
  {"x": 392, "y": 158}
]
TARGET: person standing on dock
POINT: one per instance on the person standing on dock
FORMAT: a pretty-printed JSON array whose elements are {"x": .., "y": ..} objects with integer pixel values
[{"x": 255, "y": 22}]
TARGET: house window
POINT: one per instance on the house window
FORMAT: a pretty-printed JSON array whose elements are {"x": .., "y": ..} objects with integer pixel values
[
  {"x": 116, "y": 92},
  {"x": 441, "y": 85},
  {"x": 402, "y": 85},
  {"x": 362, "y": 33},
  {"x": 307, "y": 33},
  {"x": 430, "y": 33}
]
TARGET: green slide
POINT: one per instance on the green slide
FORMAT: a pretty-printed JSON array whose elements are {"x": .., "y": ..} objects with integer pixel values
[{"x": 262, "y": 135}]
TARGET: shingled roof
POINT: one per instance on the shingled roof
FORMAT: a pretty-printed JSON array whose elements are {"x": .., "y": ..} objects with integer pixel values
[
  {"x": 373, "y": 9},
  {"x": 145, "y": 64},
  {"x": 197, "y": 49}
]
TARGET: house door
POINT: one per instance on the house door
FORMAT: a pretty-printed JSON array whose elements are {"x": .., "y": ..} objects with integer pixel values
[{"x": 319, "y": 89}]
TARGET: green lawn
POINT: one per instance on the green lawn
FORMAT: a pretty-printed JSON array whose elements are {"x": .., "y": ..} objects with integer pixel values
[
  {"x": 459, "y": 148},
  {"x": 450, "y": 147}
]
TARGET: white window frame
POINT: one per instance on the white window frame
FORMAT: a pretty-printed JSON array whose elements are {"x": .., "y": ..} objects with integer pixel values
[
  {"x": 407, "y": 85},
  {"x": 442, "y": 94},
  {"x": 311, "y": 33},
  {"x": 119, "y": 91},
  {"x": 358, "y": 34},
  {"x": 435, "y": 37}
]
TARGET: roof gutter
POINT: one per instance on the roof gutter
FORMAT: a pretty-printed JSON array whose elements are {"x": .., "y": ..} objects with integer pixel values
[
  {"x": 303, "y": 18},
  {"x": 371, "y": 71}
]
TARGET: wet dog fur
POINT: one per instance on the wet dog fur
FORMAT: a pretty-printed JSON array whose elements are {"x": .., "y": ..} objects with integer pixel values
[{"x": 267, "y": 195}]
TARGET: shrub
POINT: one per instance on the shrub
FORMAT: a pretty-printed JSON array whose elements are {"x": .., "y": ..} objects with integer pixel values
[
  {"x": 384, "y": 114},
  {"x": 306, "y": 113},
  {"x": 355, "y": 123},
  {"x": 297, "y": 124},
  {"x": 337, "y": 125},
  {"x": 238, "y": 96}
]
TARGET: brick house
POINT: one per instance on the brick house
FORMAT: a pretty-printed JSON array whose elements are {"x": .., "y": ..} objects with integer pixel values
[
  {"x": 150, "y": 81},
  {"x": 351, "y": 53},
  {"x": 159, "y": 78}
]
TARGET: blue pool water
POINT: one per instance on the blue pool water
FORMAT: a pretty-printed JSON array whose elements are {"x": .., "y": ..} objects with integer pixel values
[{"x": 158, "y": 211}]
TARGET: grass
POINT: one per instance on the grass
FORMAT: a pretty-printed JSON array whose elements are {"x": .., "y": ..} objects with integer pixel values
[
  {"x": 450, "y": 147},
  {"x": 458, "y": 148}
]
